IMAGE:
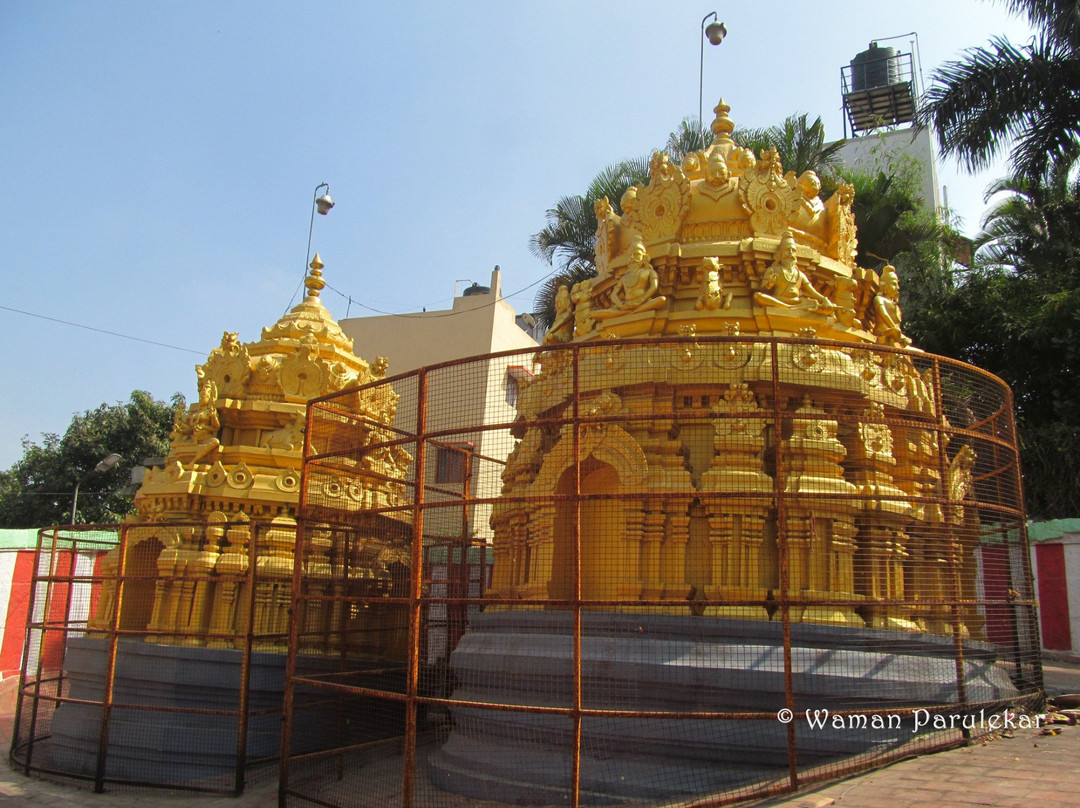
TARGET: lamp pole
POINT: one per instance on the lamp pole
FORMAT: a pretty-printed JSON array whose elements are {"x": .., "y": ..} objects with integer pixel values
[
  {"x": 715, "y": 33},
  {"x": 322, "y": 204},
  {"x": 103, "y": 465}
]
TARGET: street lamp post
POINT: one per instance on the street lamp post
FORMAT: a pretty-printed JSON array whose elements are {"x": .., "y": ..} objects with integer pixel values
[
  {"x": 103, "y": 465},
  {"x": 322, "y": 204},
  {"x": 715, "y": 33}
]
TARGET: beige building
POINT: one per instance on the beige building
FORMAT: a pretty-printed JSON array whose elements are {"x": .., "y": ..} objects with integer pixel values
[{"x": 477, "y": 394}]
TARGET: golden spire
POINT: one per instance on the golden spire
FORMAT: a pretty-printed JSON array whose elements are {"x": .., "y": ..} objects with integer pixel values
[
  {"x": 314, "y": 281},
  {"x": 722, "y": 125}
]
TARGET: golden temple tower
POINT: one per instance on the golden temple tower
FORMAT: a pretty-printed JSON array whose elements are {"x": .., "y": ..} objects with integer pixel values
[
  {"x": 232, "y": 476},
  {"x": 694, "y": 444}
]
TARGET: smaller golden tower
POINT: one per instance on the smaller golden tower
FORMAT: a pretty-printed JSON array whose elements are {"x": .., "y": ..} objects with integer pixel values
[{"x": 232, "y": 476}]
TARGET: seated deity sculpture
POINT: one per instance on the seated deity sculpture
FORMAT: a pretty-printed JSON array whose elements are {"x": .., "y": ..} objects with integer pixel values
[
  {"x": 887, "y": 314},
  {"x": 562, "y": 326},
  {"x": 201, "y": 425},
  {"x": 635, "y": 290},
  {"x": 712, "y": 295},
  {"x": 786, "y": 286}
]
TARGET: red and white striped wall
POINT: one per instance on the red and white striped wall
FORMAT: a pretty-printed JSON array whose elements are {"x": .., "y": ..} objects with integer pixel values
[
  {"x": 68, "y": 604},
  {"x": 16, "y": 571}
]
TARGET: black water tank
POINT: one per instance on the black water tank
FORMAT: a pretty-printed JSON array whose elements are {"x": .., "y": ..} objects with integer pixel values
[
  {"x": 476, "y": 289},
  {"x": 874, "y": 67}
]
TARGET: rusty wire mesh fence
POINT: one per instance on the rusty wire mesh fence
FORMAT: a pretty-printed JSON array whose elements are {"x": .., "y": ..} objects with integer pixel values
[
  {"x": 155, "y": 655},
  {"x": 656, "y": 573}
]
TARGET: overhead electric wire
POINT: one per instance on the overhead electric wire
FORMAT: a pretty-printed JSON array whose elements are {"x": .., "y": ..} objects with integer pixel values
[
  {"x": 353, "y": 301},
  {"x": 101, "y": 330}
]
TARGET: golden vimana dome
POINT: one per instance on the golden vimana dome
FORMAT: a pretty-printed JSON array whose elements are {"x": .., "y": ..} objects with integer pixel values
[
  {"x": 805, "y": 393},
  {"x": 728, "y": 243},
  {"x": 240, "y": 446},
  {"x": 230, "y": 484}
]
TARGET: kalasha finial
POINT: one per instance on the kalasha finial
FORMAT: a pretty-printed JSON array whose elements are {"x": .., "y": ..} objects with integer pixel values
[
  {"x": 314, "y": 281},
  {"x": 722, "y": 125}
]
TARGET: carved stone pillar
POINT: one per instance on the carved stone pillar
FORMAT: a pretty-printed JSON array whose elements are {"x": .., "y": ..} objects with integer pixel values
[
  {"x": 879, "y": 575},
  {"x": 172, "y": 564},
  {"x": 652, "y": 538},
  {"x": 273, "y": 576},
  {"x": 200, "y": 569},
  {"x": 673, "y": 551},
  {"x": 227, "y": 616}
]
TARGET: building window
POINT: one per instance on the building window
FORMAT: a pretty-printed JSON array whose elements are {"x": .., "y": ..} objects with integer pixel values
[
  {"x": 452, "y": 462},
  {"x": 514, "y": 375}
]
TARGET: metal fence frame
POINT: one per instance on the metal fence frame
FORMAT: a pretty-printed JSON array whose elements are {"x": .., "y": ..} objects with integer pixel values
[
  {"x": 1004, "y": 503},
  {"x": 43, "y": 690}
]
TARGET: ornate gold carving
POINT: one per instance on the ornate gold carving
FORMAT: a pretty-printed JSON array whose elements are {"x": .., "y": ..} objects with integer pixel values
[
  {"x": 288, "y": 481},
  {"x": 887, "y": 314},
  {"x": 712, "y": 296},
  {"x": 240, "y": 476},
  {"x": 843, "y": 243},
  {"x": 303, "y": 374},
  {"x": 289, "y": 438},
  {"x": 228, "y": 366},
  {"x": 607, "y": 226},
  {"x": 786, "y": 286},
  {"x": 562, "y": 327},
  {"x": 659, "y": 208},
  {"x": 635, "y": 290},
  {"x": 768, "y": 196}
]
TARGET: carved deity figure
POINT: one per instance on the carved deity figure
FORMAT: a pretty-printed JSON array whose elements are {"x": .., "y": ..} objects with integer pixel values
[
  {"x": 628, "y": 202},
  {"x": 717, "y": 173},
  {"x": 785, "y": 285},
  {"x": 811, "y": 209},
  {"x": 712, "y": 295},
  {"x": 636, "y": 290},
  {"x": 581, "y": 295},
  {"x": 202, "y": 423},
  {"x": 562, "y": 327},
  {"x": 887, "y": 314}
]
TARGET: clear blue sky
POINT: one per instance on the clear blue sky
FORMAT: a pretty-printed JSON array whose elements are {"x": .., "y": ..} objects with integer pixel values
[{"x": 157, "y": 160}]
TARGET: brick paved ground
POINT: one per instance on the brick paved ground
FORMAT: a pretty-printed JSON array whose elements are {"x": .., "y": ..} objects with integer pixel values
[{"x": 1027, "y": 770}]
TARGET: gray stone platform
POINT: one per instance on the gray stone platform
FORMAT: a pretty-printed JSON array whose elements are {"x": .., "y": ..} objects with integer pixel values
[
  {"x": 638, "y": 662},
  {"x": 160, "y": 745}
]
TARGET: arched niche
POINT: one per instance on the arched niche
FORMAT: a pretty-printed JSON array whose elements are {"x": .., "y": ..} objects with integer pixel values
[
  {"x": 140, "y": 580},
  {"x": 603, "y": 529}
]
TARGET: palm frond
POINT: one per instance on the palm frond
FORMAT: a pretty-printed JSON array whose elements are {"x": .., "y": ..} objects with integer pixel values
[{"x": 1001, "y": 95}]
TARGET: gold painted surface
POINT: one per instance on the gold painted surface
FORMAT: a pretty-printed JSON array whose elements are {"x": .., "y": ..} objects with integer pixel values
[
  {"x": 232, "y": 477},
  {"x": 729, "y": 244}
]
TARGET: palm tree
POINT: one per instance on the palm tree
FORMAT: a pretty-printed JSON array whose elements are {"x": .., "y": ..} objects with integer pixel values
[
  {"x": 1026, "y": 97},
  {"x": 688, "y": 137},
  {"x": 801, "y": 144},
  {"x": 1034, "y": 229},
  {"x": 570, "y": 233}
]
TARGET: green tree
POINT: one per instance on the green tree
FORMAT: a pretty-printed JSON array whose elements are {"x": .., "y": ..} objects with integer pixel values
[
  {"x": 801, "y": 144},
  {"x": 37, "y": 490},
  {"x": 570, "y": 234},
  {"x": 1017, "y": 314},
  {"x": 896, "y": 227},
  {"x": 688, "y": 137},
  {"x": 1024, "y": 97}
]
